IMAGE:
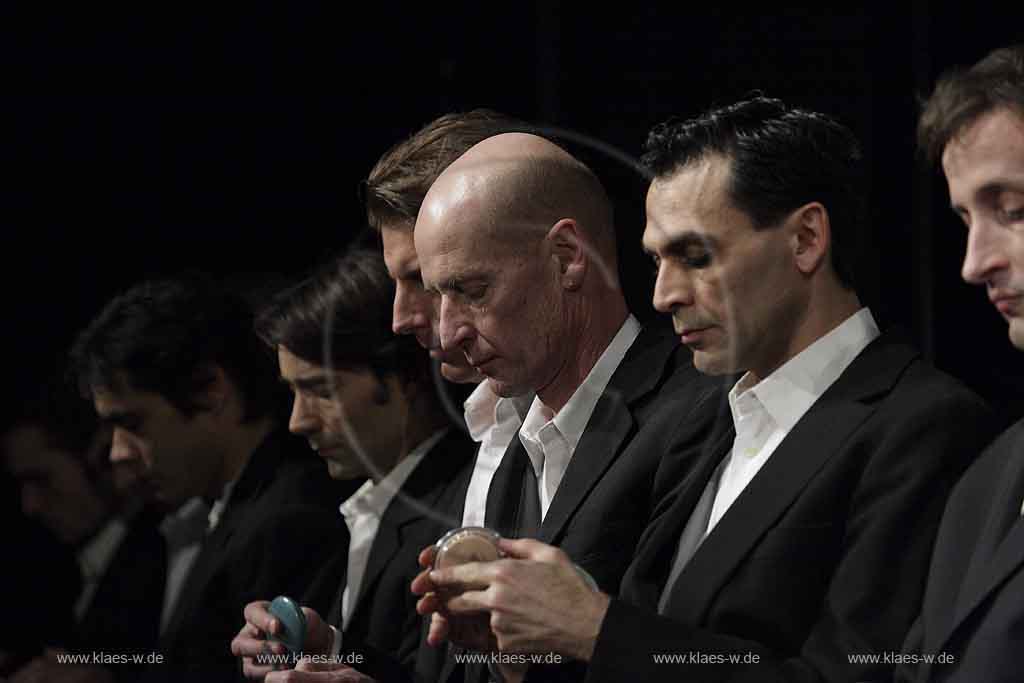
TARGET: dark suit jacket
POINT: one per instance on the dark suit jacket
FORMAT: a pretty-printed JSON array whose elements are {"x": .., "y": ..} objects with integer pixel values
[
  {"x": 280, "y": 526},
  {"x": 124, "y": 614},
  {"x": 823, "y": 555},
  {"x": 974, "y": 603},
  {"x": 608, "y": 490},
  {"x": 384, "y": 626}
]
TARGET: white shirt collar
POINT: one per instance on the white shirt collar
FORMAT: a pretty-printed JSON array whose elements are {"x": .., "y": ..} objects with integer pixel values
[
  {"x": 374, "y": 498},
  {"x": 485, "y": 410},
  {"x": 219, "y": 505},
  {"x": 792, "y": 389},
  {"x": 185, "y": 525},
  {"x": 571, "y": 421},
  {"x": 95, "y": 556}
]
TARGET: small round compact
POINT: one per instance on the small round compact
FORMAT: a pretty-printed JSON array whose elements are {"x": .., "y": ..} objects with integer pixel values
[
  {"x": 459, "y": 546},
  {"x": 293, "y": 623},
  {"x": 466, "y": 544}
]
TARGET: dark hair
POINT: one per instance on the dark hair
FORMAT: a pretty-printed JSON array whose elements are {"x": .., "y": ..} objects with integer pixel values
[
  {"x": 400, "y": 179},
  {"x": 68, "y": 424},
  {"x": 344, "y": 307},
  {"x": 53, "y": 408},
  {"x": 780, "y": 158},
  {"x": 162, "y": 335},
  {"x": 962, "y": 96}
]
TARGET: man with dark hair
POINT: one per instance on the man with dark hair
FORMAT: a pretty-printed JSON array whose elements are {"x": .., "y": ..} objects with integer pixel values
[
  {"x": 798, "y": 542},
  {"x": 970, "y": 623},
  {"x": 364, "y": 399},
  {"x": 176, "y": 371},
  {"x": 58, "y": 454}
]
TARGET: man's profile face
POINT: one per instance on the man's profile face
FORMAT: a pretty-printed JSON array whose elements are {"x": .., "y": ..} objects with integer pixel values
[
  {"x": 984, "y": 166},
  {"x": 725, "y": 284},
  {"x": 415, "y": 309},
  {"x": 353, "y": 421},
  {"x": 54, "y": 485},
  {"x": 498, "y": 296},
  {"x": 175, "y": 453}
]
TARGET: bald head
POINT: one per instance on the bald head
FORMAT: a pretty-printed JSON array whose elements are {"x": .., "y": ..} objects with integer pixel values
[
  {"x": 518, "y": 186},
  {"x": 516, "y": 238}
]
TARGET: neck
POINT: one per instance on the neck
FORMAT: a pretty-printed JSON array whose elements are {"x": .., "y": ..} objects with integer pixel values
[
  {"x": 827, "y": 311},
  {"x": 421, "y": 420},
  {"x": 246, "y": 439},
  {"x": 589, "y": 338}
]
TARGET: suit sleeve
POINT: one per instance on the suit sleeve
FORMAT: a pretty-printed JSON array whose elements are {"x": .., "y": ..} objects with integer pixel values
[
  {"x": 876, "y": 584},
  {"x": 289, "y": 555}
]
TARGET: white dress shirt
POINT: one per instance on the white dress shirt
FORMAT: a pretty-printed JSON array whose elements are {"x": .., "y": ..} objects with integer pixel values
[
  {"x": 183, "y": 531},
  {"x": 93, "y": 560},
  {"x": 493, "y": 422},
  {"x": 550, "y": 439},
  {"x": 764, "y": 413},
  {"x": 362, "y": 512}
]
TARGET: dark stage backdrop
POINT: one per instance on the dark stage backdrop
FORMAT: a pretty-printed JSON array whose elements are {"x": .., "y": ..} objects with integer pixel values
[{"x": 148, "y": 140}]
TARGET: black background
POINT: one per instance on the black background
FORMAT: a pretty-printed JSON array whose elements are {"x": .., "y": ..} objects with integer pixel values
[{"x": 145, "y": 140}]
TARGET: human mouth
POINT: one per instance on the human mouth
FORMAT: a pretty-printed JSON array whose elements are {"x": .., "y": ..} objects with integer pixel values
[
  {"x": 325, "y": 450},
  {"x": 1005, "y": 303},
  {"x": 693, "y": 335}
]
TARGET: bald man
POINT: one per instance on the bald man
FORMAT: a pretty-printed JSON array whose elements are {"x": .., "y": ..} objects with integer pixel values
[
  {"x": 796, "y": 549},
  {"x": 517, "y": 240}
]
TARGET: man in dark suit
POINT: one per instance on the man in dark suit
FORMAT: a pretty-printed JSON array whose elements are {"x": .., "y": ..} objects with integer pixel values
[
  {"x": 365, "y": 400},
  {"x": 800, "y": 539},
  {"x": 971, "y": 625},
  {"x": 395, "y": 188},
  {"x": 175, "y": 369},
  {"x": 58, "y": 454},
  {"x": 516, "y": 239}
]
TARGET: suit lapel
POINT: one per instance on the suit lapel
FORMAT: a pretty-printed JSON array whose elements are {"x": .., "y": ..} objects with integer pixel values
[
  {"x": 257, "y": 473},
  {"x": 815, "y": 439},
  {"x": 608, "y": 427},
  {"x": 422, "y": 489},
  {"x": 1000, "y": 550},
  {"x": 386, "y": 544},
  {"x": 657, "y": 545},
  {"x": 602, "y": 440}
]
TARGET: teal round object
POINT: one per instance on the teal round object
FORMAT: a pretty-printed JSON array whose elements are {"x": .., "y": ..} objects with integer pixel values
[{"x": 293, "y": 623}]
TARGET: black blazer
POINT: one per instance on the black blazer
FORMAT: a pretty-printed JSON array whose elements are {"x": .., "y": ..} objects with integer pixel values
[
  {"x": 124, "y": 614},
  {"x": 384, "y": 626},
  {"x": 280, "y": 525},
  {"x": 974, "y": 603},
  {"x": 607, "y": 492},
  {"x": 823, "y": 555},
  {"x": 615, "y": 475}
]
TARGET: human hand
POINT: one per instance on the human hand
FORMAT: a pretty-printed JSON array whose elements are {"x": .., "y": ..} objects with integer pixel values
[
  {"x": 537, "y": 599},
  {"x": 253, "y": 646}
]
